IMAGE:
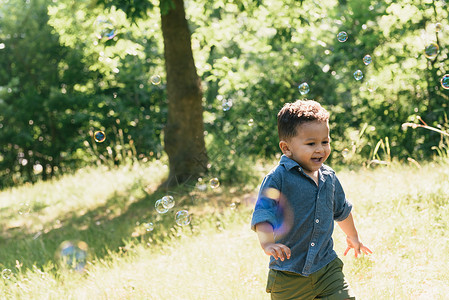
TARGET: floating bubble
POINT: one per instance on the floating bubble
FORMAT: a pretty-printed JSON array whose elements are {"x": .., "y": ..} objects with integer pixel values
[
  {"x": 24, "y": 208},
  {"x": 367, "y": 59},
  {"x": 105, "y": 29},
  {"x": 37, "y": 168},
  {"x": 345, "y": 152},
  {"x": 155, "y": 79},
  {"x": 148, "y": 226},
  {"x": 445, "y": 82},
  {"x": 159, "y": 205},
  {"x": 304, "y": 88},
  {"x": 371, "y": 85},
  {"x": 182, "y": 218},
  {"x": 226, "y": 104},
  {"x": 358, "y": 75},
  {"x": 168, "y": 201},
  {"x": 431, "y": 50},
  {"x": 250, "y": 122},
  {"x": 6, "y": 274},
  {"x": 73, "y": 255},
  {"x": 438, "y": 27},
  {"x": 233, "y": 206},
  {"x": 214, "y": 183},
  {"x": 342, "y": 36},
  {"x": 99, "y": 136}
]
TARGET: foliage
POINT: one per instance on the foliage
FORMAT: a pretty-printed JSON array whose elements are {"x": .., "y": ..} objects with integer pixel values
[{"x": 59, "y": 82}]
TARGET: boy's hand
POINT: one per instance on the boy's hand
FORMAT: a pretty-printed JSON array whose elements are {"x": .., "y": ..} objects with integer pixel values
[
  {"x": 279, "y": 251},
  {"x": 353, "y": 242}
]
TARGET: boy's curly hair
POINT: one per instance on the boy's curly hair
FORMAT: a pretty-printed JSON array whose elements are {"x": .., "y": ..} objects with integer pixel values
[{"x": 294, "y": 114}]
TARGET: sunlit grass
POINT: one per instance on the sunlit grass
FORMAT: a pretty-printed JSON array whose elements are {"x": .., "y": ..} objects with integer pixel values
[{"x": 401, "y": 212}]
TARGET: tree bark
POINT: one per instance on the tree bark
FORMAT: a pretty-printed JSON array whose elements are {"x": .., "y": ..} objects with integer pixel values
[{"x": 183, "y": 133}]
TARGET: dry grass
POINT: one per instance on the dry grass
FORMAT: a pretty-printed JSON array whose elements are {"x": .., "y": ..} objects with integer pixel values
[{"x": 401, "y": 212}]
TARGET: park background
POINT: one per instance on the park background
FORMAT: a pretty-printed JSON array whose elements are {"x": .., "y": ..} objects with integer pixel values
[{"x": 71, "y": 68}]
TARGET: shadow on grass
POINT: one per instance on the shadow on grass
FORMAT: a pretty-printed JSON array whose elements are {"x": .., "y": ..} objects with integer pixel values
[{"x": 107, "y": 229}]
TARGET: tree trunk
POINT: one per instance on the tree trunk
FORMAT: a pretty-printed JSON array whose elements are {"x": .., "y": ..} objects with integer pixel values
[{"x": 183, "y": 133}]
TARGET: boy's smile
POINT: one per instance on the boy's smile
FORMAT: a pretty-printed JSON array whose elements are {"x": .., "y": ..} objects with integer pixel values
[{"x": 309, "y": 147}]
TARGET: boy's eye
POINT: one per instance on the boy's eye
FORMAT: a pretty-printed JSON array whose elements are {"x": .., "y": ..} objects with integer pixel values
[
  {"x": 326, "y": 142},
  {"x": 311, "y": 144}
]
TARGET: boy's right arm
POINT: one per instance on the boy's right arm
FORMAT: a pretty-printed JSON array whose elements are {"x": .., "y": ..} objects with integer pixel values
[{"x": 270, "y": 247}]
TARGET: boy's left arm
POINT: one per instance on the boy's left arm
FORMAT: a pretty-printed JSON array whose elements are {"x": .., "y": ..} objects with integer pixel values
[{"x": 352, "y": 237}]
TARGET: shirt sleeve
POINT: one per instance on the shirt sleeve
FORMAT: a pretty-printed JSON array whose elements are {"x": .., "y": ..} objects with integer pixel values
[
  {"x": 266, "y": 209},
  {"x": 342, "y": 207}
]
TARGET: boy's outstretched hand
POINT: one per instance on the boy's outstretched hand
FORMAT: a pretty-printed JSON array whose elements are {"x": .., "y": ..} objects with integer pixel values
[
  {"x": 278, "y": 251},
  {"x": 354, "y": 243}
]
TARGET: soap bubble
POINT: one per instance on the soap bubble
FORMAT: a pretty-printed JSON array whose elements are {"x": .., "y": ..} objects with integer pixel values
[
  {"x": 345, "y": 152},
  {"x": 342, "y": 36},
  {"x": 226, "y": 104},
  {"x": 105, "y": 29},
  {"x": 431, "y": 50},
  {"x": 168, "y": 201},
  {"x": 6, "y": 273},
  {"x": 99, "y": 136},
  {"x": 371, "y": 85},
  {"x": 367, "y": 59},
  {"x": 303, "y": 88},
  {"x": 445, "y": 82},
  {"x": 182, "y": 218},
  {"x": 159, "y": 205},
  {"x": 73, "y": 255},
  {"x": 250, "y": 122},
  {"x": 438, "y": 27},
  {"x": 233, "y": 206},
  {"x": 24, "y": 208},
  {"x": 358, "y": 75},
  {"x": 155, "y": 79},
  {"x": 148, "y": 226},
  {"x": 214, "y": 183}
]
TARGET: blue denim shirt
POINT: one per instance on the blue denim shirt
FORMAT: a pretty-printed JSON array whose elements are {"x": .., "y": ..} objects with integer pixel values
[{"x": 302, "y": 214}]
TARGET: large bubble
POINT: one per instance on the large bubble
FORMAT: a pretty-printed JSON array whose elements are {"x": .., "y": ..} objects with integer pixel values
[
  {"x": 342, "y": 36},
  {"x": 431, "y": 50},
  {"x": 182, "y": 218},
  {"x": 24, "y": 208},
  {"x": 445, "y": 82},
  {"x": 155, "y": 79},
  {"x": 168, "y": 201},
  {"x": 358, "y": 75},
  {"x": 367, "y": 59},
  {"x": 303, "y": 88},
  {"x": 6, "y": 274},
  {"x": 104, "y": 29},
  {"x": 160, "y": 208},
  {"x": 214, "y": 183},
  {"x": 99, "y": 136}
]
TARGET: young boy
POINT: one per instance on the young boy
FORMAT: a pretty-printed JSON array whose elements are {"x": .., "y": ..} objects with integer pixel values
[{"x": 296, "y": 208}]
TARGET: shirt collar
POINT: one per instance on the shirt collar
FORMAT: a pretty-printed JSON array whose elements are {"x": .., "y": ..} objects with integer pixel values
[{"x": 289, "y": 164}]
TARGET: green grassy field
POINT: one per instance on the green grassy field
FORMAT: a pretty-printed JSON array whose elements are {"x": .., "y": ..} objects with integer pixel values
[{"x": 401, "y": 212}]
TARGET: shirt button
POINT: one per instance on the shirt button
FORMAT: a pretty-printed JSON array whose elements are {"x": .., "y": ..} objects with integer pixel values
[
  {"x": 312, "y": 244},
  {"x": 317, "y": 221}
]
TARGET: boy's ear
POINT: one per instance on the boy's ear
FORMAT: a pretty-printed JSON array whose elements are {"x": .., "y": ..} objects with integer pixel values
[{"x": 285, "y": 148}]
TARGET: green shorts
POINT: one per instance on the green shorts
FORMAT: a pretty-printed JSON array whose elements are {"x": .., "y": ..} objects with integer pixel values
[{"x": 328, "y": 283}]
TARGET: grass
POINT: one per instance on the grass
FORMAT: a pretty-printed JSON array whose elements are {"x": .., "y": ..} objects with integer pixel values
[{"x": 401, "y": 212}]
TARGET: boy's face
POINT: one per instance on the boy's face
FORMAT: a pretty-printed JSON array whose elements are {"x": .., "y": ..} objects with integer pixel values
[{"x": 310, "y": 147}]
